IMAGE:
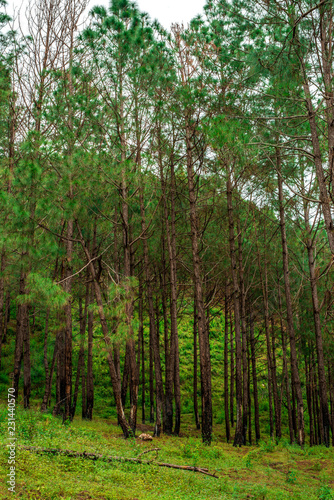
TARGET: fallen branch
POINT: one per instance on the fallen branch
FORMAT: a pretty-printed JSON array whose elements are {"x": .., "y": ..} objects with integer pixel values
[
  {"x": 94, "y": 456},
  {"x": 149, "y": 451}
]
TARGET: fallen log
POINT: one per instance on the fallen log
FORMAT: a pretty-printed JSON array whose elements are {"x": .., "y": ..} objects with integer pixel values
[{"x": 106, "y": 458}]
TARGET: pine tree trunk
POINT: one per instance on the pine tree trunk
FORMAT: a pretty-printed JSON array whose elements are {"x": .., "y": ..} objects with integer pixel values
[
  {"x": 141, "y": 350},
  {"x": 7, "y": 317},
  {"x": 285, "y": 366},
  {"x": 249, "y": 397},
  {"x": 318, "y": 334},
  {"x": 244, "y": 337},
  {"x": 171, "y": 246},
  {"x": 68, "y": 323},
  {"x": 126, "y": 376},
  {"x": 151, "y": 379},
  {"x": 46, "y": 364},
  {"x": 126, "y": 428},
  {"x": 226, "y": 409},
  {"x": 153, "y": 329},
  {"x": 81, "y": 357},
  {"x": 232, "y": 378},
  {"x": 18, "y": 355},
  {"x": 254, "y": 377},
  {"x": 26, "y": 355},
  {"x": 2, "y": 302},
  {"x": 323, "y": 193},
  {"x": 90, "y": 378},
  {"x": 203, "y": 334},
  {"x": 195, "y": 381},
  {"x": 293, "y": 349},
  {"x": 239, "y": 436},
  {"x": 309, "y": 400},
  {"x": 277, "y": 405}
]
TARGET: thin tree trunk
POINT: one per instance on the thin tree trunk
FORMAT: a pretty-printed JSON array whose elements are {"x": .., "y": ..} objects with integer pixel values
[
  {"x": 309, "y": 400},
  {"x": 68, "y": 322},
  {"x": 18, "y": 355},
  {"x": 173, "y": 360},
  {"x": 232, "y": 378},
  {"x": 226, "y": 409},
  {"x": 153, "y": 329},
  {"x": 151, "y": 378},
  {"x": 238, "y": 437},
  {"x": 126, "y": 428},
  {"x": 293, "y": 349},
  {"x": 126, "y": 376},
  {"x": 26, "y": 355},
  {"x": 244, "y": 337},
  {"x": 254, "y": 376},
  {"x": 195, "y": 382},
  {"x": 277, "y": 406},
  {"x": 46, "y": 364},
  {"x": 318, "y": 334},
  {"x": 81, "y": 357},
  {"x": 90, "y": 378},
  {"x": 285, "y": 366}
]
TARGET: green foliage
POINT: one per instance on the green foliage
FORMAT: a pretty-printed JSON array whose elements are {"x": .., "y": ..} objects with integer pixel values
[{"x": 42, "y": 290}]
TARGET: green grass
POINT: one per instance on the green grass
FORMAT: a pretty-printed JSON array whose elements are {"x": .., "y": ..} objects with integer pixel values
[{"x": 266, "y": 471}]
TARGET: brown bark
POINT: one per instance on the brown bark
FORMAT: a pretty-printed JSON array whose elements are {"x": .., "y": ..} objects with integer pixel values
[
  {"x": 285, "y": 367},
  {"x": 277, "y": 404},
  {"x": 203, "y": 334},
  {"x": 195, "y": 378},
  {"x": 153, "y": 328},
  {"x": 173, "y": 359},
  {"x": 2, "y": 302},
  {"x": 244, "y": 337},
  {"x": 126, "y": 376},
  {"x": 318, "y": 334},
  {"x": 289, "y": 312},
  {"x": 264, "y": 285},
  {"x": 112, "y": 370},
  {"x": 46, "y": 364},
  {"x": 226, "y": 409},
  {"x": 26, "y": 355},
  {"x": 239, "y": 435},
  {"x": 309, "y": 399},
  {"x": 249, "y": 397},
  {"x": 18, "y": 354},
  {"x": 151, "y": 381},
  {"x": 68, "y": 323},
  {"x": 254, "y": 377},
  {"x": 141, "y": 350},
  {"x": 81, "y": 356},
  {"x": 90, "y": 379},
  {"x": 232, "y": 378}
]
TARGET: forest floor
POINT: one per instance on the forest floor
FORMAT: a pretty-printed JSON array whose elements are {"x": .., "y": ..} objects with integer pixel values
[{"x": 265, "y": 471}]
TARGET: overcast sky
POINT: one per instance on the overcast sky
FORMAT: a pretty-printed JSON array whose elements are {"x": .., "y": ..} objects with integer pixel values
[{"x": 166, "y": 11}]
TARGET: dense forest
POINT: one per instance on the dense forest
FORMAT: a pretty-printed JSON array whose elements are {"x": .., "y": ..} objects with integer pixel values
[{"x": 161, "y": 188}]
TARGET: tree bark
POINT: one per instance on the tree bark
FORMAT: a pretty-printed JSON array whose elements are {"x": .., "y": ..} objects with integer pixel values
[
  {"x": 226, "y": 409},
  {"x": 318, "y": 333},
  {"x": 244, "y": 337},
  {"x": 293, "y": 349},
  {"x": 254, "y": 377},
  {"x": 126, "y": 428},
  {"x": 239, "y": 435},
  {"x": 277, "y": 405},
  {"x": 90, "y": 378}
]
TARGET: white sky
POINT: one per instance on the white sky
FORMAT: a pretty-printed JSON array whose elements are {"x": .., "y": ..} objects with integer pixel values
[{"x": 166, "y": 11}]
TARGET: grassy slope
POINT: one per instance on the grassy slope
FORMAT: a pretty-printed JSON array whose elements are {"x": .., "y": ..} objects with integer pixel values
[{"x": 262, "y": 472}]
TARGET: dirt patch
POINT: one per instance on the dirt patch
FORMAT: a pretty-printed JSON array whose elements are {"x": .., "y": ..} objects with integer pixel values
[{"x": 310, "y": 465}]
